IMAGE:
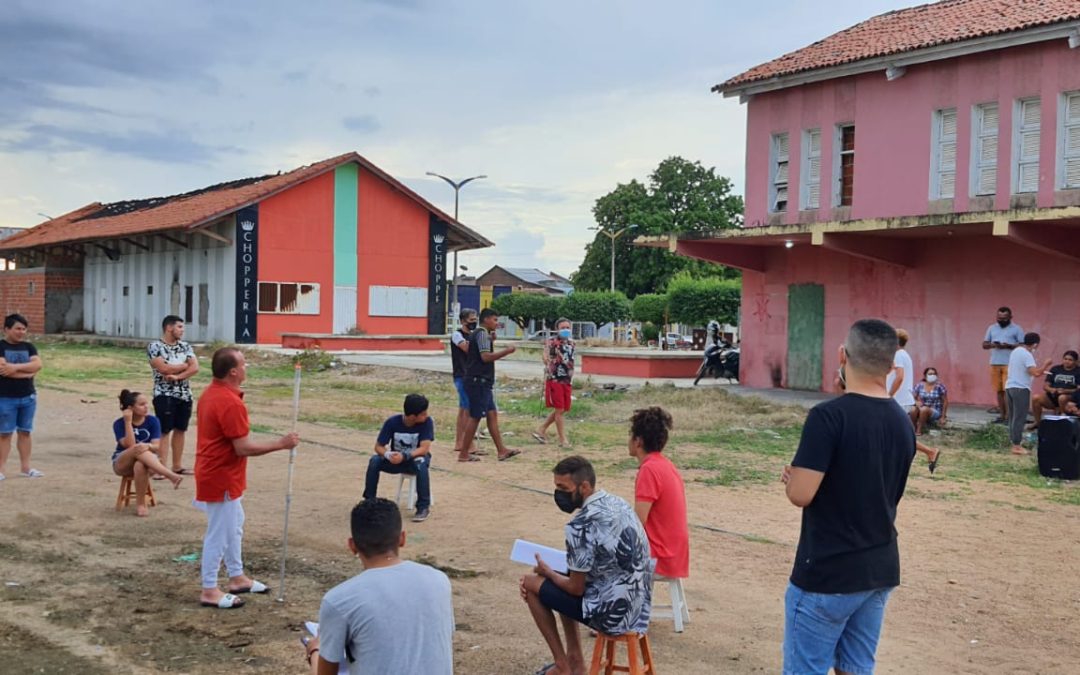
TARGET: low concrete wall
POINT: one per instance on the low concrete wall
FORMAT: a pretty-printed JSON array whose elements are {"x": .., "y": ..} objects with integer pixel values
[
  {"x": 362, "y": 343},
  {"x": 632, "y": 363}
]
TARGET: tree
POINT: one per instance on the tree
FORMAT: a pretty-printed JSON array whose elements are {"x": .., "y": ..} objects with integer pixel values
[
  {"x": 697, "y": 301},
  {"x": 524, "y": 307},
  {"x": 599, "y": 308},
  {"x": 649, "y": 308},
  {"x": 680, "y": 197}
]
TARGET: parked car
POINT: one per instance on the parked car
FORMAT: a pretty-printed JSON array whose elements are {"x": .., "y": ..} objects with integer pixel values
[{"x": 677, "y": 341}]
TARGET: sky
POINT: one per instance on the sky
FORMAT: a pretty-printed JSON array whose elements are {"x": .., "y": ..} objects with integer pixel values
[{"x": 556, "y": 102}]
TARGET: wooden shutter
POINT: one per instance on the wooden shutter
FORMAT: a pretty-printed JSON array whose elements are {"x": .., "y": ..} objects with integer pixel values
[
  {"x": 780, "y": 172},
  {"x": 1071, "y": 138},
  {"x": 1028, "y": 168},
  {"x": 946, "y": 156},
  {"x": 987, "y": 150},
  {"x": 813, "y": 169}
]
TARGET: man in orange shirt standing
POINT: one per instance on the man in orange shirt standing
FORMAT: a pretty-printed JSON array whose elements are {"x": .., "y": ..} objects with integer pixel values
[
  {"x": 221, "y": 477},
  {"x": 659, "y": 493}
]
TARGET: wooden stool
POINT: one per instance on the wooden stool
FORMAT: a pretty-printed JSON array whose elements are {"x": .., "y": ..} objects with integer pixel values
[
  {"x": 678, "y": 609},
  {"x": 127, "y": 493},
  {"x": 603, "y": 656},
  {"x": 412, "y": 490}
]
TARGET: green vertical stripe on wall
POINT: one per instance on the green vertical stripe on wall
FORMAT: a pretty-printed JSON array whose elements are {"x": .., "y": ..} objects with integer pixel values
[{"x": 346, "y": 186}]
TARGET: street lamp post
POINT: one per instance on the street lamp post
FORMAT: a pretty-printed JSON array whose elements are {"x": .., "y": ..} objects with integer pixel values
[
  {"x": 457, "y": 185},
  {"x": 612, "y": 237}
]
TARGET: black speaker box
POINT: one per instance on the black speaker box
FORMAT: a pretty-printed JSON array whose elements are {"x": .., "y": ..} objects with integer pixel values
[{"x": 1059, "y": 448}]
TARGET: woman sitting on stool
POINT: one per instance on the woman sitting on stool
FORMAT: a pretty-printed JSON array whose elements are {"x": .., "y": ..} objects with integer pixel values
[{"x": 138, "y": 435}]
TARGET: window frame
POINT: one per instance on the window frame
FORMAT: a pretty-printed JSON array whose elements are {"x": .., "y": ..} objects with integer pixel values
[
  {"x": 978, "y": 138},
  {"x": 1064, "y": 126},
  {"x": 939, "y": 140},
  {"x": 776, "y": 159},
  {"x": 837, "y": 169},
  {"x": 302, "y": 309}
]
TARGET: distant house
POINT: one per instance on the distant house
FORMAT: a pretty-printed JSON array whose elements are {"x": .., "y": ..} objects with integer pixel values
[
  {"x": 922, "y": 166},
  {"x": 331, "y": 247},
  {"x": 525, "y": 279}
]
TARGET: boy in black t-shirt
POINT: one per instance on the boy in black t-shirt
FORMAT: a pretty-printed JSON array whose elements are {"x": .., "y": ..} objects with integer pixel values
[
  {"x": 404, "y": 446},
  {"x": 848, "y": 476},
  {"x": 19, "y": 361}
]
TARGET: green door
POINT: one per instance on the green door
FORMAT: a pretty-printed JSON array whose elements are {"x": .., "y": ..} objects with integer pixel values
[{"x": 806, "y": 335}]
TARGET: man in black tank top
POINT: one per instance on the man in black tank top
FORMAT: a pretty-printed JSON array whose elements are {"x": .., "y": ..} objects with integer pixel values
[
  {"x": 459, "y": 349},
  {"x": 479, "y": 380}
]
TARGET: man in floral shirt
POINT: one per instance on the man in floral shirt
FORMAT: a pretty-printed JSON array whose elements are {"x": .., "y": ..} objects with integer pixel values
[
  {"x": 174, "y": 363},
  {"x": 609, "y": 580},
  {"x": 559, "y": 375}
]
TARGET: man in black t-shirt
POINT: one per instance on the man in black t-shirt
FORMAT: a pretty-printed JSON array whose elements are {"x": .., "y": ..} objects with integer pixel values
[
  {"x": 19, "y": 361},
  {"x": 479, "y": 381},
  {"x": 1058, "y": 389},
  {"x": 848, "y": 476}
]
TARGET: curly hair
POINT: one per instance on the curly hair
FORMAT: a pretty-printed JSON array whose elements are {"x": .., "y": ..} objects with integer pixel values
[{"x": 651, "y": 425}]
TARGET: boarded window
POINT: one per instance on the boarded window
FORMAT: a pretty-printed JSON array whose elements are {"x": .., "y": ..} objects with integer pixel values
[
  {"x": 1028, "y": 127},
  {"x": 984, "y": 151},
  {"x": 204, "y": 304},
  {"x": 397, "y": 301},
  {"x": 286, "y": 297}
]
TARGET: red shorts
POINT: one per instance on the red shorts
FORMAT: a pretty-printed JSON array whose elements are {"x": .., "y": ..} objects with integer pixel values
[{"x": 557, "y": 394}]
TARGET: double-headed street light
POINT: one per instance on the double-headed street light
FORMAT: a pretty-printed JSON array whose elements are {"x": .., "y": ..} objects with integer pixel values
[
  {"x": 612, "y": 237},
  {"x": 457, "y": 185}
]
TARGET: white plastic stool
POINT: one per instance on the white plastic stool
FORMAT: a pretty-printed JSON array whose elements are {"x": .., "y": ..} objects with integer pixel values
[
  {"x": 402, "y": 477},
  {"x": 678, "y": 609}
]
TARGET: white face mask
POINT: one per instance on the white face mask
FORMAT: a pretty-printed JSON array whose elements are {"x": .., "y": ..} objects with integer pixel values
[{"x": 931, "y": 378}]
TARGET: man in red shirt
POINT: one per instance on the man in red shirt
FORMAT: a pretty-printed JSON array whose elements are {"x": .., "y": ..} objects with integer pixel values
[
  {"x": 659, "y": 493},
  {"x": 221, "y": 476}
]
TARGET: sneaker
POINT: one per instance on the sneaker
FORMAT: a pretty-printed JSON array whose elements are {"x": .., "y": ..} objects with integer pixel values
[
  {"x": 32, "y": 473},
  {"x": 421, "y": 515}
]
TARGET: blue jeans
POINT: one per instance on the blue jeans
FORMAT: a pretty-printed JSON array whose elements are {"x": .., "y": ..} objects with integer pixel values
[
  {"x": 462, "y": 397},
  {"x": 827, "y": 630},
  {"x": 17, "y": 413},
  {"x": 417, "y": 467}
]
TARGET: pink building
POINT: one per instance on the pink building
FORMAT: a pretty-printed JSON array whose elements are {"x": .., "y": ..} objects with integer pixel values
[{"x": 923, "y": 167}]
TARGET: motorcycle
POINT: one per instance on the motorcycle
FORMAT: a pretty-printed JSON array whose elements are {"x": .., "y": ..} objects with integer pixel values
[{"x": 721, "y": 360}]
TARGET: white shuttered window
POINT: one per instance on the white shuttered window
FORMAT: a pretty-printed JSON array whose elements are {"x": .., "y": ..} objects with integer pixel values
[
  {"x": 984, "y": 150},
  {"x": 397, "y": 301},
  {"x": 778, "y": 187},
  {"x": 1028, "y": 125},
  {"x": 811, "y": 173},
  {"x": 1070, "y": 141},
  {"x": 943, "y": 178}
]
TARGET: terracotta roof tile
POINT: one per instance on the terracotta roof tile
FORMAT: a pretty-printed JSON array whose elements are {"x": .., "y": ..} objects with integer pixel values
[
  {"x": 192, "y": 209},
  {"x": 913, "y": 28}
]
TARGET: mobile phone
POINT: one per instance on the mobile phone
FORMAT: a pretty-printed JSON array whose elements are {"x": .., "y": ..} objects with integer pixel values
[{"x": 304, "y": 640}]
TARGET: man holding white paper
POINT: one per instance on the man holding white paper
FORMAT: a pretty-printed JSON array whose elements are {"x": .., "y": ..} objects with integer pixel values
[{"x": 609, "y": 574}]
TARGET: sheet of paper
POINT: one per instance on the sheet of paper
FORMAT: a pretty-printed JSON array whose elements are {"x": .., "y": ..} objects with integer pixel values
[
  {"x": 525, "y": 552},
  {"x": 343, "y": 664}
]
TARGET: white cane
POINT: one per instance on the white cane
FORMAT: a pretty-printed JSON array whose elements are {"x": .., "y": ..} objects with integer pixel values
[{"x": 288, "y": 490}]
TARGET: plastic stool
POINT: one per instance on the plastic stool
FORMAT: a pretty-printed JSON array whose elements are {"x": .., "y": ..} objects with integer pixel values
[
  {"x": 402, "y": 477},
  {"x": 678, "y": 609},
  {"x": 603, "y": 656},
  {"x": 127, "y": 493}
]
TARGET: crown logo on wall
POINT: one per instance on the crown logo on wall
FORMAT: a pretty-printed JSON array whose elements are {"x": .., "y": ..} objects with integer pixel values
[
  {"x": 438, "y": 238},
  {"x": 247, "y": 225}
]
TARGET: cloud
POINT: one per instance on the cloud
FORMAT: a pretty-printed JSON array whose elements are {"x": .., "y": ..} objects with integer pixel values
[
  {"x": 364, "y": 124},
  {"x": 160, "y": 146}
]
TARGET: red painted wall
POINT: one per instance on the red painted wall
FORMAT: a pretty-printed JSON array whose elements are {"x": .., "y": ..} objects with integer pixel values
[
  {"x": 296, "y": 243},
  {"x": 393, "y": 251},
  {"x": 946, "y": 303},
  {"x": 893, "y": 122}
]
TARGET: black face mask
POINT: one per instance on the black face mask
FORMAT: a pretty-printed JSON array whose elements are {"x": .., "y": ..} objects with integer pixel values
[
  {"x": 568, "y": 502},
  {"x": 472, "y": 325},
  {"x": 1004, "y": 322}
]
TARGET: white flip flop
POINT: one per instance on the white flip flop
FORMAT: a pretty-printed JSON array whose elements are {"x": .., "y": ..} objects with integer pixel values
[
  {"x": 227, "y": 601},
  {"x": 255, "y": 587}
]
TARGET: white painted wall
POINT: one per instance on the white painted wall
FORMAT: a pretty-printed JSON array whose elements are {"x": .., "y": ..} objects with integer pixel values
[{"x": 206, "y": 266}]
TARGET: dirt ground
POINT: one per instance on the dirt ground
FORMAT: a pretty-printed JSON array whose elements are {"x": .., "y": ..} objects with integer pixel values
[{"x": 989, "y": 580}]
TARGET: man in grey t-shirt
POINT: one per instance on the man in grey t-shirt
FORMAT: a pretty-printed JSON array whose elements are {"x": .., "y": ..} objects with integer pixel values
[
  {"x": 1001, "y": 338},
  {"x": 394, "y": 617}
]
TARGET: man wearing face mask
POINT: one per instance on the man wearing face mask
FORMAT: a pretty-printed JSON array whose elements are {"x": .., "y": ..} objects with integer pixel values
[
  {"x": 608, "y": 583},
  {"x": 558, "y": 378},
  {"x": 480, "y": 382},
  {"x": 459, "y": 349},
  {"x": 1001, "y": 339}
]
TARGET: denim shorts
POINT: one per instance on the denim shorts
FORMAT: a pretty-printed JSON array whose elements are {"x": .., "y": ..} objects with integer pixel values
[
  {"x": 827, "y": 630},
  {"x": 462, "y": 397},
  {"x": 17, "y": 413}
]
